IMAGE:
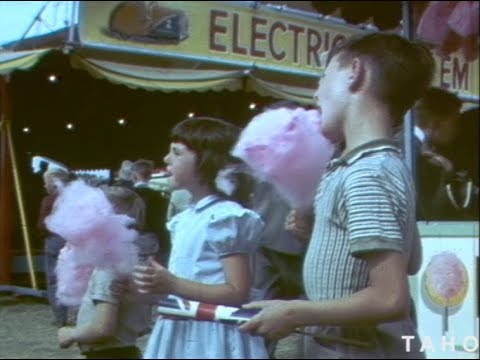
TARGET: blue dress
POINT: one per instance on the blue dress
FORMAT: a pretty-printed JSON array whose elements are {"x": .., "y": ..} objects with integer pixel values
[{"x": 201, "y": 235}]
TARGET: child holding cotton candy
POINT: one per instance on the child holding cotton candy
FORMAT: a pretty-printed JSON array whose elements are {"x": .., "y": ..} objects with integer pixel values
[
  {"x": 98, "y": 225},
  {"x": 212, "y": 244}
]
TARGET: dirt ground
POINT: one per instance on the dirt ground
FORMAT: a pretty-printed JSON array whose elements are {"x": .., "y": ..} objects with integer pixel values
[{"x": 26, "y": 331}]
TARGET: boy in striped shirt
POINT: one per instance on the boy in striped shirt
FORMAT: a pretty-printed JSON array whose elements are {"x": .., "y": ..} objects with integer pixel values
[{"x": 365, "y": 239}]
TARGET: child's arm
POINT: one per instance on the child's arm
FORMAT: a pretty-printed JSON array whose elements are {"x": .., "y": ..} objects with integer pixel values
[
  {"x": 385, "y": 299},
  {"x": 103, "y": 327},
  {"x": 125, "y": 287},
  {"x": 234, "y": 292}
]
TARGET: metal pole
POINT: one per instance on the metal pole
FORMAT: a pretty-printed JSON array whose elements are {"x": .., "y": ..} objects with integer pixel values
[
  {"x": 71, "y": 30},
  {"x": 409, "y": 120},
  {"x": 35, "y": 19},
  {"x": 16, "y": 179}
]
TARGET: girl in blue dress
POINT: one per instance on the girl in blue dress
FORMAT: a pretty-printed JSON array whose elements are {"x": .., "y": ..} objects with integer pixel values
[{"x": 212, "y": 242}]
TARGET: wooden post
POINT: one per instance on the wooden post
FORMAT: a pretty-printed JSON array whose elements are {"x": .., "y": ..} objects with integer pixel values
[
  {"x": 6, "y": 192},
  {"x": 6, "y": 117}
]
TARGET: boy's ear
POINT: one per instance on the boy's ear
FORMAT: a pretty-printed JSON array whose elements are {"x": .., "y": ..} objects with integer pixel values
[{"x": 358, "y": 74}]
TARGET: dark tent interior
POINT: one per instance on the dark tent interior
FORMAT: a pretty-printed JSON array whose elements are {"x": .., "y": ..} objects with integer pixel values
[{"x": 42, "y": 109}]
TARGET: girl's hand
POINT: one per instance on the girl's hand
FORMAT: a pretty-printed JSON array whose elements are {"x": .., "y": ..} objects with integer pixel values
[
  {"x": 153, "y": 278},
  {"x": 275, "y": 320},
  {"x": 300, "y": 224},
  {"x": 65, "y": 337}
]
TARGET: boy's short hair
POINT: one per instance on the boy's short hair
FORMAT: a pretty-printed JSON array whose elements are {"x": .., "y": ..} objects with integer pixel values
[
  {"x": 143, "y": 167},
  {"x": 403, "y": 70},
  {"x": 437, "y": 104},
  {"x": 126, "y": 201},
  {"x": 211, "y": 139}
]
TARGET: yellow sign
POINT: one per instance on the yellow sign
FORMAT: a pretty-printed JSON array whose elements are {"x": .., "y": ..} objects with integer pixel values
[
  {"x": 227, "y": 33},
  {"x": 216, "y": 31}
]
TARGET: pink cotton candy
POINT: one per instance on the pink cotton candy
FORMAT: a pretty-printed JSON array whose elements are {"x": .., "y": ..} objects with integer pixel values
[
  {"x": 95, "y": 236},
  {"x": 286, "y": 147},
  {"x": 72, "y": 278}
]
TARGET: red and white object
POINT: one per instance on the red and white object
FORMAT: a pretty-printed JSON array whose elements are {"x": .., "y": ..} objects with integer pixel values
[{"x": 189, "y": 309}]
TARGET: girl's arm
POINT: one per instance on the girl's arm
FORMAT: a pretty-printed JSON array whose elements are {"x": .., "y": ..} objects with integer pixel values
[
  {"x": 234, "y": 292},
  {"x": 102, "y": 328}
]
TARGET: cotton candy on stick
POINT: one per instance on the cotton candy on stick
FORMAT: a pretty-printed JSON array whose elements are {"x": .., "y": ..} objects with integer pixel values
[
  {"x": 286, "y": 148},
  {"x": 95, "y": 237},
  {"x": 446, "y": 282}
]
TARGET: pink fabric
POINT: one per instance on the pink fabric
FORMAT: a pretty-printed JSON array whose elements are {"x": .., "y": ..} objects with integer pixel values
[
  {"x": 451, "y": 25},
  {"x": 464, "y": 18},
  {"x": 432, "y": 26},
  {"x": 286, "y": 148},
  {"x": 95, "y": 236}
]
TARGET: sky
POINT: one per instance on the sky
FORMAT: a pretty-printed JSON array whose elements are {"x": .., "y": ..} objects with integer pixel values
[{"x": 18, "y": 16}]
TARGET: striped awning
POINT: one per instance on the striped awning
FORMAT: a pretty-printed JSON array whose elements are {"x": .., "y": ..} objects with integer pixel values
[{"x": 19, "y": 60}]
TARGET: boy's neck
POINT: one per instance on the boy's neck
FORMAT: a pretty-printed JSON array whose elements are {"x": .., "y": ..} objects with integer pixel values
[{"x": 366, "y": 123}]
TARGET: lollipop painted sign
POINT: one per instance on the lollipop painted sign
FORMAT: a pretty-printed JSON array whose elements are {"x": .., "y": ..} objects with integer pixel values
[{"x": 445, "y": 284}]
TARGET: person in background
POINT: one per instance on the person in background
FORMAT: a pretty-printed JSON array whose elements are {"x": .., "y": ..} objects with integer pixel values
[
  {"x": 54, "y": 180},
  {"x": 442, "y": 178},
  {"x": 155, "y": 207},
  {"x": 180, "y": 200},
  {"x": 124, "y": 175},
  {"x": 365, "y": 240},
  {"x": 467, "y": 143}
]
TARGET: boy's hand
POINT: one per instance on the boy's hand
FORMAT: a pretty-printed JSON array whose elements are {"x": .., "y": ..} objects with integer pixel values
[
  {"x": 300, "y": 224},
  {"x": 274, "y": 321},
  {"x": 65, "y": 337}
]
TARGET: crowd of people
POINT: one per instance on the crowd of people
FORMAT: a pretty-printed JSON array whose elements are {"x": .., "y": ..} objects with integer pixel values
[{"x": 337, "y": 275}]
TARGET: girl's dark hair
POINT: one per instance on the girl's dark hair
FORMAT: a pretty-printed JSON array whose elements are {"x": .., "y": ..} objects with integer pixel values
[{"x": 212, "y": 139}]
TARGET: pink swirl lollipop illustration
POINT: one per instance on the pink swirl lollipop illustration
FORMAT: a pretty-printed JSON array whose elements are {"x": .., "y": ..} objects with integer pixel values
[{"x": 446, "y": 282}]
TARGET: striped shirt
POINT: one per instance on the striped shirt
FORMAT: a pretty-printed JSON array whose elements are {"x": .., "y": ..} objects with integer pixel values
[{"x": 365, "y": 203}]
